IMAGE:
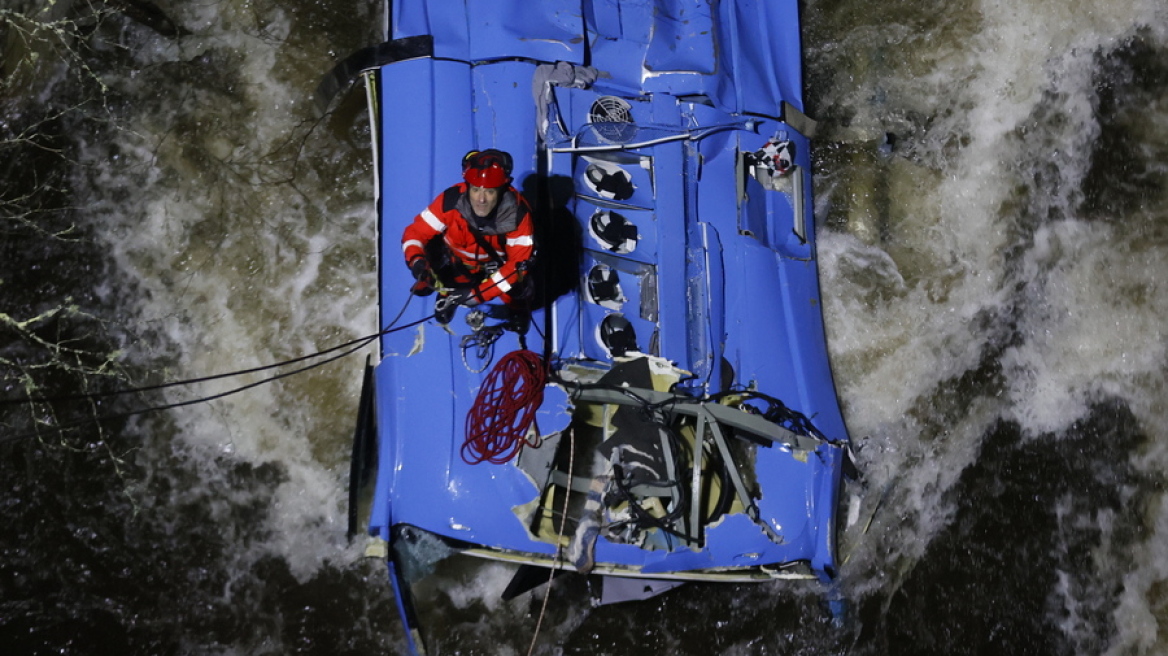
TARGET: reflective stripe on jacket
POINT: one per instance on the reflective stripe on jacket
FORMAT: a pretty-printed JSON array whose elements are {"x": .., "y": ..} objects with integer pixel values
[{"x": 510, "y": 234}]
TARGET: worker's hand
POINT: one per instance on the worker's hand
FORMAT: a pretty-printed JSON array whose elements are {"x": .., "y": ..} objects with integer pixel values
[{"x": 423, "y": 277}]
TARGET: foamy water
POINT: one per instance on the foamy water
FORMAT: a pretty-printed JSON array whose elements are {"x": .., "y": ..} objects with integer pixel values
[
  {"x": 997, "y": 274},
  {"x": 246, "y": 244},
  {"x": 992, "y": 287}
]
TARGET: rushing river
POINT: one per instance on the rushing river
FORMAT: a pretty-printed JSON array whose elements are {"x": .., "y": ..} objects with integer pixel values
[{"x": 992, "y": 203}]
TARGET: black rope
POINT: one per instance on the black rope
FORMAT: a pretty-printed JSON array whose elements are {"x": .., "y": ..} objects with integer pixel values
[
  {"x": 28, "y": 400},
  {"x": 352, "y": 346},
  {"x": 189, "y": 381}
]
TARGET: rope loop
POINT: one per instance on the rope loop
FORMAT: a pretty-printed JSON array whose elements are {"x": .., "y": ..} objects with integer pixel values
[{"x": 504, "y": 410}]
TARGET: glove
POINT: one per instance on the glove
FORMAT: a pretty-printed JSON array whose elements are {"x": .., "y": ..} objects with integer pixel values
[{"x": 423, "y": 276}]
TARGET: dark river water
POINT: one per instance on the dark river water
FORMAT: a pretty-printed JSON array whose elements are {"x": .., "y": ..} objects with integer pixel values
[{"x": 992, "y": 209}]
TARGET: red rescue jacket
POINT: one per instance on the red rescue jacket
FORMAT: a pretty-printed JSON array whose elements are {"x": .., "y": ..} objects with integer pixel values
[{"x": 510, "y": 234}]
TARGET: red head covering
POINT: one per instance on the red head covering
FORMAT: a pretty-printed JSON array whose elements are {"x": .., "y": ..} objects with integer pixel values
[{"x": 490, "y": 168}]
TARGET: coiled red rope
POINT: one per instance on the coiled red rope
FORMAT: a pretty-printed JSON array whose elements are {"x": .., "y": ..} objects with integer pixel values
[{"x": 497, "y": 424}]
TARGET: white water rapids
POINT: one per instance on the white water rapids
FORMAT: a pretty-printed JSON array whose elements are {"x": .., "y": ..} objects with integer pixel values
[{"x": 995, "y": 287}]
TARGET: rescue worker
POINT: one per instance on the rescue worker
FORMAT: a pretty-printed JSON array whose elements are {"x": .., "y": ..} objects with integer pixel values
[{"x": 487, "y": 239}]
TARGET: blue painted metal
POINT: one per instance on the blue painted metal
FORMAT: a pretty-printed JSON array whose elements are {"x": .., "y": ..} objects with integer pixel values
[
  {"x": 722, "y": 280},
  {"x": 746, "y": 54}
]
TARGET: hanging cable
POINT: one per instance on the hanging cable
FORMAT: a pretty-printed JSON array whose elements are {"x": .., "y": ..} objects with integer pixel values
[
  {"x": 179, "y": 404},
  {"x": 504, "y": 410},
  {"x": 558, "y": 558},
  {"x": 360, "y": 342},
  {"x": 352, "y": 346}
]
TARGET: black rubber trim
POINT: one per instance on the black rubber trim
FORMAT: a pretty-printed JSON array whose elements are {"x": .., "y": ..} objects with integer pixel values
[{"x": 344, "y": 73}]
